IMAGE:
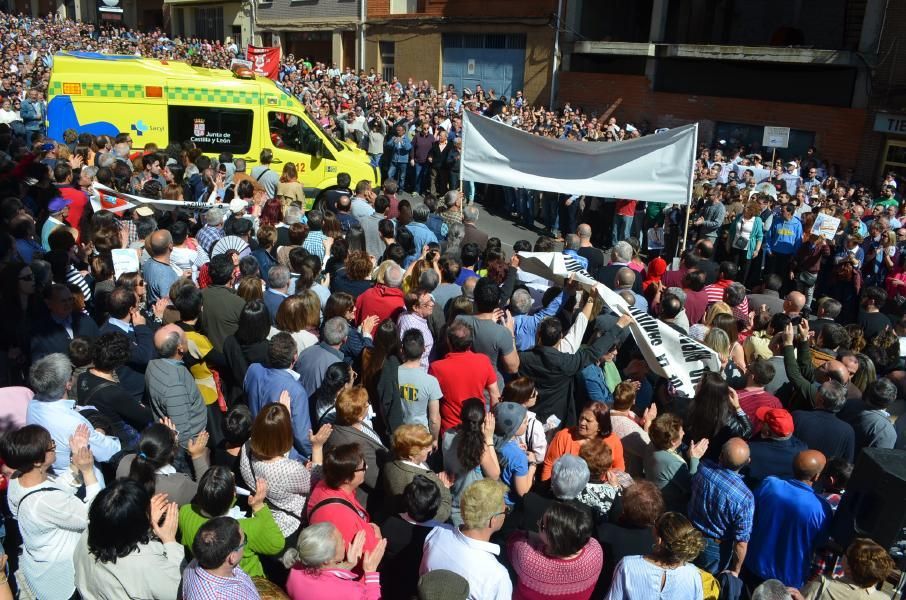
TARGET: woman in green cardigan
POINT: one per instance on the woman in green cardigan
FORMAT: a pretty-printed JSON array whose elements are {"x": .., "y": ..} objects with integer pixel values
[
  {"x": 746, "y": 236},
  {"x": 216, "y": 497}
]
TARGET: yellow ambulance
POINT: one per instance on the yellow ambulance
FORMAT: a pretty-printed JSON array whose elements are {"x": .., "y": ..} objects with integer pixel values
[{"x": 164, "y": 101}]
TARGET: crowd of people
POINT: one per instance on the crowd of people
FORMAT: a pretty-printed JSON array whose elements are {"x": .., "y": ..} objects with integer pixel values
[{"x": 372, "y": 399}]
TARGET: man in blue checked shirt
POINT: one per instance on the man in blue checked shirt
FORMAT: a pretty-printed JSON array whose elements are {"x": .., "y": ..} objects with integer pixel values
[{"x": 722, "y": 508}]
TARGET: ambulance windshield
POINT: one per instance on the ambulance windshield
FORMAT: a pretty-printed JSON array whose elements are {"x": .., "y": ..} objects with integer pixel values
[{"x": 326, "y": 133}]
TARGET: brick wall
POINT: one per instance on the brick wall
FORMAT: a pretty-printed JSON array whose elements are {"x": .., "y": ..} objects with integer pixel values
[{"x": 838, "y": 131}]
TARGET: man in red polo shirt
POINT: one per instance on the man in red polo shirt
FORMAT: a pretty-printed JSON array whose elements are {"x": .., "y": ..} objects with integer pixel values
[
  {"x": 384, "y": 300},
  {"x": 462, "y": 374}
]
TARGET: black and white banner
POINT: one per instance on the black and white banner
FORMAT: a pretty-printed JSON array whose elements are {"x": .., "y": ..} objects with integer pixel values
[{"x": 672, "y": 355}]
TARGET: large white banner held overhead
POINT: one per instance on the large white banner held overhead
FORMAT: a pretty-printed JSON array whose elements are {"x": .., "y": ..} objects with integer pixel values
[
  {"x": 680, "y": 359},
  {"x": 654, "y": 168}
]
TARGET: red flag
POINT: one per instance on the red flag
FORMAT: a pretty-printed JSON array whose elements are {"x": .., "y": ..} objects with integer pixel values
[{"x": 265, "y": 61}]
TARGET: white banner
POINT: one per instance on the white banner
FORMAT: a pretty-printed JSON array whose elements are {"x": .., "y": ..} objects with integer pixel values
[
  {"x": 114, "y": 201},
  {"x": 654, "y": 168},
  {"x": 676, "y": 357}
]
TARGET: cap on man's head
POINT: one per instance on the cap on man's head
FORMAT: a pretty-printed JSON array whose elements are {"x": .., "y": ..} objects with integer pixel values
[
  {"x": 58, "y": 204},
  {"x": 791, "y": 164},
  {"x": 238, "y": 205},
  {"x": 778, "y": 420},
  {"x": 144, "y": 211}
]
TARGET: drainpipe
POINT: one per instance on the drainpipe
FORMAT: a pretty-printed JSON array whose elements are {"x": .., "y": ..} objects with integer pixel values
[
  {"x": 253, "y": 17},
  {"x": 555, "y": 63},
  {"x": 361, "y": 56}
]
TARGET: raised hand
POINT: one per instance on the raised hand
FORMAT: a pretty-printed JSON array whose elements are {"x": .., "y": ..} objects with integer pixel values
[
  {"x": 82, "y": 459},
  {"x": 256, "y": 500},
  {"x": 370, "y": 324},
  {"x": 166, "y": 531},
  {"x": 286, "y": 401},
  {"x": 79, "y": 438},
  {"x": 698, "y": 449},
  {"x": 372, "y": 559},
  {"x": 169, "y": 423},
  {"x": 320, "y": 438},
  {"x": 446, "y": 479},
  {"x": 355, "y": 547},
  {"x": 198, "y": 445},
  {"x": 487, "y": 428}
]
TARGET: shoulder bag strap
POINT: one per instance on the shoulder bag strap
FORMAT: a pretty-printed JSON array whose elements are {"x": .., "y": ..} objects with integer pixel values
[{"x": 342, "y": 501}]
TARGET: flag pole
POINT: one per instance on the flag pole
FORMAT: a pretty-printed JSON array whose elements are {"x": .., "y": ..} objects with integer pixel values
[
  {"x": 691, "y": 187},
  {"x": 462, "y": 154}
]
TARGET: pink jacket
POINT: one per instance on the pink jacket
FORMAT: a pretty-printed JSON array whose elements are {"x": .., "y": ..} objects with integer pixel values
[{"x": 332, "y": 584}]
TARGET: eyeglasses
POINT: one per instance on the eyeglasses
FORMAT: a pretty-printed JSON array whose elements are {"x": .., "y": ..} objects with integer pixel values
[
  {"x": 139, "y": 284},
  {"x": 363, "y": 468},
  {"x": 506, "y": 510},
  {"x": 52, "y": 447},
  {"x": 241, "y": 547},
  {"x": 30, "y": 277}
]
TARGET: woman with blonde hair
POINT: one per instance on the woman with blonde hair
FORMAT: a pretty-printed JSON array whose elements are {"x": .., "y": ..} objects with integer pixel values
[
  {"x": 353, "y": 426},
  {"x": 290, "y": 189},
  {"x": 411, "y": 445},
  {"x": 300, "y": 316},
  {"x": 665, "y": 572},
  {"x": 698, "y": 331}
]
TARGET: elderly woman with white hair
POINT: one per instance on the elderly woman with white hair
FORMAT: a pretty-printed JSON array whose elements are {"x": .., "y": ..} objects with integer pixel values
[
  {"x": 321, "y": 566},
  {"x": 569, "y": 477}
]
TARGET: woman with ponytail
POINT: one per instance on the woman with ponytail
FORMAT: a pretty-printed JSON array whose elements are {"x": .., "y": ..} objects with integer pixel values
[
  {"x": 152, "y": 465},
  {"x": 469, "y": 453}
]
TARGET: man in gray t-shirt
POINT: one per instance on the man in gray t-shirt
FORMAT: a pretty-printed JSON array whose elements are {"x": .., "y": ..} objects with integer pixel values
[{"x": 419, "y": 392}]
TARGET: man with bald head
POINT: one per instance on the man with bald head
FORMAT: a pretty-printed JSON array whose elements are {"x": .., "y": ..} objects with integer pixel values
[
  {"x": 594, "y": 256},
  {"x": 158, "y": 273},
  {"x": 625, "y": 281},
  {"x": 171, "y": 389},
  {"x": 791, "y": 520},
  {"x": 793, "y": 304},
  {"x": 722, "y": 507}
]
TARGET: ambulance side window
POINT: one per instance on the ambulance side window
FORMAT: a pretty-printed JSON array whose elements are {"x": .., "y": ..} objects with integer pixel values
[
  {"x": 292, "y": 133},
  {"x": 213, "y": 130}
]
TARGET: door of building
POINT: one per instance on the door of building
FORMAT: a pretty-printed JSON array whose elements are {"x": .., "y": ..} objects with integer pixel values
[
  {"x": 894, "y": 158},
  {"x": 495, "y": 61}
]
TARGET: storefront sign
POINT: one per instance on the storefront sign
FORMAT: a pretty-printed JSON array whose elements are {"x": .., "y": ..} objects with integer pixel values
[{"x": 890, "y": 123}]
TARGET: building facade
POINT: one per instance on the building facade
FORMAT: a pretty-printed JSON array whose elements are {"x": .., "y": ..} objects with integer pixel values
[
  {"x": 210, "y": 20},
  {"x": 321, "y": 30},
  {"x": 737, "y": 67},
  {"x": 502, "y": 45},
  {"x": 132, "y": 13}
]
